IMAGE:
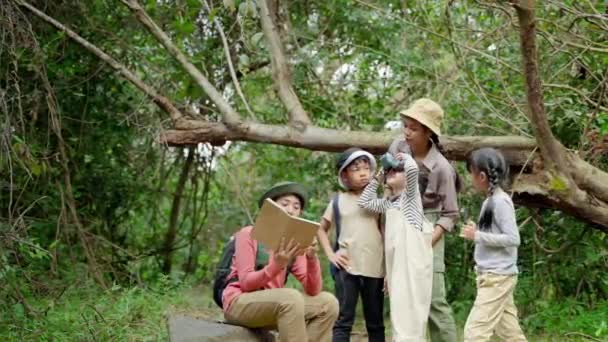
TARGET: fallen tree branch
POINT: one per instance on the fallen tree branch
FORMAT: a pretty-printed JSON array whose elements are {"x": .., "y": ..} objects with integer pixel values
[
  {"x": 530, "y": 190},
  {"x": 589, "y": 177},
  {"x": 517, "y": 149},
  {"x": 280, "y": 70}
]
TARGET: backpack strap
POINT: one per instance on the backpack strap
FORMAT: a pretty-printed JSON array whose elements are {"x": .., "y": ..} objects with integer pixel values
[{"x": 336, "y": 217}]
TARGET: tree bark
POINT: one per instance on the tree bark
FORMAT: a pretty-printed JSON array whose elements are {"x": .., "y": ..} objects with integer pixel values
[
  {"x": 517, "y": 149},
  {"x": 550, "y": 149},
  {"x": 565, "y": 181}
]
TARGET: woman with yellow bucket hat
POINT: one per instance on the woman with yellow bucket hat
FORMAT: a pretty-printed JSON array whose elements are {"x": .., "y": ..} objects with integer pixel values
[{"x": 439, "y": 184}]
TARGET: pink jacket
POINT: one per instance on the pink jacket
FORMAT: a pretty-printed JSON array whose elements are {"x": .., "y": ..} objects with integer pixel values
[{"x": 272, "y": 276}]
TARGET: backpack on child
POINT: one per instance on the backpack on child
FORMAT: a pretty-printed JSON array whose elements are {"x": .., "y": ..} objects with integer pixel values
[{"x": 220, "y": 280}]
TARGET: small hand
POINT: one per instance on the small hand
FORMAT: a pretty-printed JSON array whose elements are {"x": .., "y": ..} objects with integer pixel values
[
  {"x": 312, "y": 250},
  {"x": 340, "y": 260},
  {"x": 468, "y": 231},
  {"x": 380, "y": 176},
  {"x": 400, "y": 156},
  {"x": 286, "y": 252}
]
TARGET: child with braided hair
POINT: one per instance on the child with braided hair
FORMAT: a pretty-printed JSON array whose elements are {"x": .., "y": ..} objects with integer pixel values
[
  {"x": 407, "y": 246},
  {"x": 496, "y": 240}
]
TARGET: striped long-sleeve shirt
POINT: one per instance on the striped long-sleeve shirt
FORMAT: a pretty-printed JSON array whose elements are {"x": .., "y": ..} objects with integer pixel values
[{"x": 409, "y": 201}]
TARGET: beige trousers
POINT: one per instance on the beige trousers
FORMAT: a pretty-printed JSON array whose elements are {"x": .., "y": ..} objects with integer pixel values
[
  {"x": 494, "y": 310},
  {"x": 296, "y": 316}
]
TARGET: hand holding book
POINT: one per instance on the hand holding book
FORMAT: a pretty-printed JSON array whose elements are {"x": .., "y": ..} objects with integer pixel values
[
  {"x": 286, "y": 252},
  {"x": 273, "y": 224}
]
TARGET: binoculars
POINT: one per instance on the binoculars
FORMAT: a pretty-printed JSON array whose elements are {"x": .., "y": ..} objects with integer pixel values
[{"x": 389, "y": 162}]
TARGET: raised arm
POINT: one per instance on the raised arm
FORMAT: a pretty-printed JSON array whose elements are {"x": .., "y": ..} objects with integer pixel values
[
  {"x": 410, "y": 201},
  {"x": 370, "y": 201}
]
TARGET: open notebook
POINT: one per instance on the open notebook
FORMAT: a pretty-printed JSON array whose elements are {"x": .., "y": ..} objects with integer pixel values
[{"x": 273, "y": 223}]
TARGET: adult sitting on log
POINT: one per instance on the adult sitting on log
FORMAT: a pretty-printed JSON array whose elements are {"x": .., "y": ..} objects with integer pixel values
[{"x": 255, "y": 296}]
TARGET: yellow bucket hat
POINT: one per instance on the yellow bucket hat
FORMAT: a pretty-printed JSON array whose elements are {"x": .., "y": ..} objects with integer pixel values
[{"x": 427, "y": 112}]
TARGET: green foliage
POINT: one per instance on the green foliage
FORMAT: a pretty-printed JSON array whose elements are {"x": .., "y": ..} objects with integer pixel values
[
  {"x": 82, "y": 312},
  {"x": 65, "y": 113}
]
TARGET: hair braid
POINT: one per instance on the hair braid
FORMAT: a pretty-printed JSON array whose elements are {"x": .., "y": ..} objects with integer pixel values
[
  {"x": 491, "y": 162},
  {"x": 493, "y": 180}
]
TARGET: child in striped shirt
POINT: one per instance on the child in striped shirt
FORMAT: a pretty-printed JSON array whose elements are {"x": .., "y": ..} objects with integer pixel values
[{"x": 407, "y": 246}]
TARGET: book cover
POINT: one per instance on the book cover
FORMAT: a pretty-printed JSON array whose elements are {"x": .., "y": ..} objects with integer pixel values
[{"x": 274, "y": 223}]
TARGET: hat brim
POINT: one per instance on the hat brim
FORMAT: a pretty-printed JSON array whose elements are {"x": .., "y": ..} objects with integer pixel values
[
  {"x": 286, "y": 189},
  {"x": 351, "y": 158},
  {"x": 423, "y": 120}
]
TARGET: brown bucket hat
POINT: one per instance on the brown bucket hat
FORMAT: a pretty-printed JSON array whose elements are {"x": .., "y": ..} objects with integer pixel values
[{"x": 427, "y": 112}]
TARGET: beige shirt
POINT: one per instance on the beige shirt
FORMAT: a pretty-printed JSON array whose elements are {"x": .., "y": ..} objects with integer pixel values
[
  {"x": 437, "y": 181},
  {"x": 360, "y": 237}
]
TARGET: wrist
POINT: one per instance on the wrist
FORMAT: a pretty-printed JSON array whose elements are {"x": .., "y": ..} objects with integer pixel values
[{"x": 274, "y": 267}]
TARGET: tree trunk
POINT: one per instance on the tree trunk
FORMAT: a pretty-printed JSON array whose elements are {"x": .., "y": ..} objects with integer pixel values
[{"x": 175, "y": 210}]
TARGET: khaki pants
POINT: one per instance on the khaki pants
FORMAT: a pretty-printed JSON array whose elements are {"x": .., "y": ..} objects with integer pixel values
[
  {"x": 494, "y": 310},
  {"x": 298, "y": 317}
]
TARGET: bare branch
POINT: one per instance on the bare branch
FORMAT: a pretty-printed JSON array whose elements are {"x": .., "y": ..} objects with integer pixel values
[
  {"x": 230, "y": 116},
  {"x": 280, "y": 70},
  {"x": 235, "y": 79},
  {"x": 160, "y": 100}
]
